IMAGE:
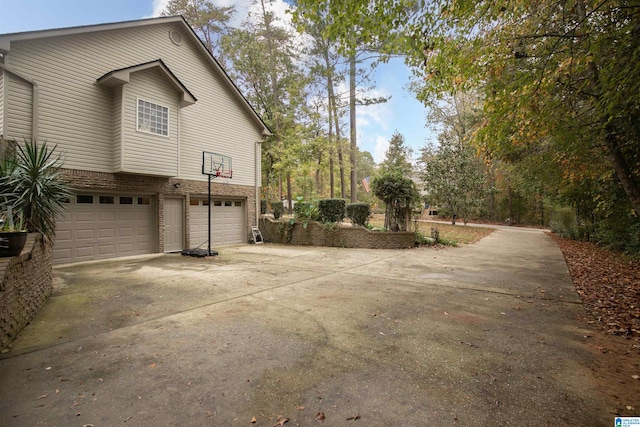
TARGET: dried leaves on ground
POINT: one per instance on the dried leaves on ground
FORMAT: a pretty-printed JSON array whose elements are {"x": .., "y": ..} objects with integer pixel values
[{"x": 608, "y": 283}]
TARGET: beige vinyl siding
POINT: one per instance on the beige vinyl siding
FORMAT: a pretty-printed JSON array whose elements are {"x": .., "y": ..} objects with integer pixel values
[
  {"x": 77, "y": 113},
  {"x": 144, "y": 152},
  {"x": 117, "y": 128},
  {"x": 19, "y": 114},
  {"x": 1, "y": 103}
]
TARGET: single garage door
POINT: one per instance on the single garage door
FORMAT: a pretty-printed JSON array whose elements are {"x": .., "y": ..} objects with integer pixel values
[
  {"x": 99, "y": 226},
  {"x": 228, "y": 226}
]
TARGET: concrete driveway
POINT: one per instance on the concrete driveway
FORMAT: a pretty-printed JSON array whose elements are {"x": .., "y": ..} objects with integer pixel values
[{"x": 484, "y": 335}]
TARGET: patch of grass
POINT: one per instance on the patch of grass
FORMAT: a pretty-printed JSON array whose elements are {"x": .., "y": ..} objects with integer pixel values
[
  {"x": 456, "y": 234},
  {"x": 451, "y": 235}
]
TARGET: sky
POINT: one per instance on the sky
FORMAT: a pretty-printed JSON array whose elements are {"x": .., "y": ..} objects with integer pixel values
[{"x": 375, "y": 124}]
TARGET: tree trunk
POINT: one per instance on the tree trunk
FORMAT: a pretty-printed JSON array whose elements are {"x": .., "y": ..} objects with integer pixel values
[
  {"x": 623, "y": 171},
  {"x": 289, "y": 193},
  {"x": 352, "y": 127}
]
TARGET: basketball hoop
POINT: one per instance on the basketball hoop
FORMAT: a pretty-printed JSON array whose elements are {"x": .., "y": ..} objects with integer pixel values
[{"x": 216, "y": 165}]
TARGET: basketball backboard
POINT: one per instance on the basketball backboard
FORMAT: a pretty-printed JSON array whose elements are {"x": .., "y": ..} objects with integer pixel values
[{"x": 216, "y": 165}]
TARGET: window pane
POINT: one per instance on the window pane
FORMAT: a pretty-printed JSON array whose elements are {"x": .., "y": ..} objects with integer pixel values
[
  {"x": 106, "y": 200},
  {"x": 126, "y": 200},
  {"x": 194, "y": 202},
  {"x": 144, "y": 200},
  {"x": 228, "y": 203},
  {"x": 217, "y": 203},
  {"x": 153, "y": 118},
  {"x": 84, "y": 199},
  {"x": 238, "y": 203}
]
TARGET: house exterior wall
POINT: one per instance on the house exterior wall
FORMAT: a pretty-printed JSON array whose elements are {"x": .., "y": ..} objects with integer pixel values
[
  {"x": 78, "y": 115},
  {"x": 143, "y": 152},
  {"x": 1, "y": 103},
  {"x": 19, "y": 107}
]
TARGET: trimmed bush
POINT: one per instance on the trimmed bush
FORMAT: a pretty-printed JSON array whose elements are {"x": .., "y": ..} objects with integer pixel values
[
  {"x": 358, "y": 213},
  {"x": 332, "y": 210},
  {"x": 277, "y": 209}
]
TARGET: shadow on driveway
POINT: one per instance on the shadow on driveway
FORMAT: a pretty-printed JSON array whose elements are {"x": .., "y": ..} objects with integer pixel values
[{"x": 486, "y": 334}]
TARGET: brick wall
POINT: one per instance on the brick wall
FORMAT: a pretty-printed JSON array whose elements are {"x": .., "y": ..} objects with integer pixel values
[
  {"x": 26, "y": 284},
  {"x": 346, "y": 236},
  {"x": 163, "y": 187}
]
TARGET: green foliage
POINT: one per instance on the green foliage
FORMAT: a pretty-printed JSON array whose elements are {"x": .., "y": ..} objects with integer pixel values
[
  {"x": 37, "y": 188},
  {"x": 454, "y": 178},
  {"x": 278, "y": 209},
  {"x": 358, "y": 213},
  {"x": 332, "y": 210},
  {"x": 398, "y": 156},
  {"x": 263, "y": 206},
  {"x": 399, "y": 195},
  {"x": 422, "y": 240},
  {"x": 564, "y": 223},
  {"x": 305, "y": 211}
]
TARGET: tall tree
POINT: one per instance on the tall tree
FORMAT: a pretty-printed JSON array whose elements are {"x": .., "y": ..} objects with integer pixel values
[
  {"x": 398, "y": 156},
  {"x": 263, "y": 53}
]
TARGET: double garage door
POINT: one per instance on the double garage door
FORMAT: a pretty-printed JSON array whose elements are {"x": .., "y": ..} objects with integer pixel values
[
  {"x": 101, "y": 226},
  {"x": 228, "y": 225}
]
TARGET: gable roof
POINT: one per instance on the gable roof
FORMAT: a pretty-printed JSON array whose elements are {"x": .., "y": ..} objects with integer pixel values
[
  {"x": 122, "y": 76},
  {"x": 6, "y": 39}
]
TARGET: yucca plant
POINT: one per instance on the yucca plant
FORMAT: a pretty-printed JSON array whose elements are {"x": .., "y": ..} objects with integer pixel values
[{"x": 37, "y": 185}]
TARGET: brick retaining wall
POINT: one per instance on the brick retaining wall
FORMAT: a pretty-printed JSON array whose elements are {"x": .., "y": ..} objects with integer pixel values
[
  {"x": 317, "y": 234},
  {"x": 26, "y": 284}
]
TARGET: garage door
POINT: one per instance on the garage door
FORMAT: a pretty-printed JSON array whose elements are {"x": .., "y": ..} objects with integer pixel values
[
  {"x": 99, "y": 226},
  {"x": 228, "y": 224}
]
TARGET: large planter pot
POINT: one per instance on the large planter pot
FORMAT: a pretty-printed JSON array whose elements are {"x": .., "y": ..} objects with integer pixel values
[{"x": 12, "y": 242}]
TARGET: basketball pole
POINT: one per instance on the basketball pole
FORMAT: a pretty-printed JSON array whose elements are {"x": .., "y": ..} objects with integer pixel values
[{"x": 209, "y": 218}]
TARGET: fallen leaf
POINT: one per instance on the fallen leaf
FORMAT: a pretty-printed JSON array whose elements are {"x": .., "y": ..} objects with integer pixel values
[
  {"x": 635, "y": 377},
  {"x": 281, "y": 422},
  {"x": 629, "y": 408},
  {"x": 354, "y": 417},
  {"x": 320, "y": 417},
  {"x": 42, "y": 396},
  {"x": 153, "y": 365},
  {"x": 300, "y": 408},
  {"x": 253, "y": 420}
]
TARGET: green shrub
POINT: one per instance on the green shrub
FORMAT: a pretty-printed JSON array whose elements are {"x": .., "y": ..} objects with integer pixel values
[
  {"x": 563, "y": 222},
  {"x": 332, "y": 210},
  {"x": 305, "y": 212},
  {"x": 358, "y": 213},
  {"x": 277, "y": 209},
  {"x": 263, "y": 207}
]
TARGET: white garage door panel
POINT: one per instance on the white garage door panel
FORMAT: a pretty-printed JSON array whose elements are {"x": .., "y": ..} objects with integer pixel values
[
  {"x": 88, "y": 231},
  {"x": 227, "y": 222}
]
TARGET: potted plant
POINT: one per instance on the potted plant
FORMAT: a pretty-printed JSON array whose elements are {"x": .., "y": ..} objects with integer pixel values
[
  {"x": 13, "y": 235},
  {"x": 32, "y": 187}
]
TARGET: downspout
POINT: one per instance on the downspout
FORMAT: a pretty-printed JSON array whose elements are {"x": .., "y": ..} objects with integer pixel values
[
  {"x": 257, "y": 159},
  {"x": 34, "y": 100}
]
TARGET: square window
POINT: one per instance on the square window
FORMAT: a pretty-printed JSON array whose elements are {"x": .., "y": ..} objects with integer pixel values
[{"x": 153, "y": 118}]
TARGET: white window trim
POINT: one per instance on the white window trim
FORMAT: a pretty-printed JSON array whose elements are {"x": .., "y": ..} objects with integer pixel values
[{"x": 147, "y": 131}]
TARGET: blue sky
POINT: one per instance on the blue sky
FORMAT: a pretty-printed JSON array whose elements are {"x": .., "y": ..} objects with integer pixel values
[{"x": 375, "y": 124}]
